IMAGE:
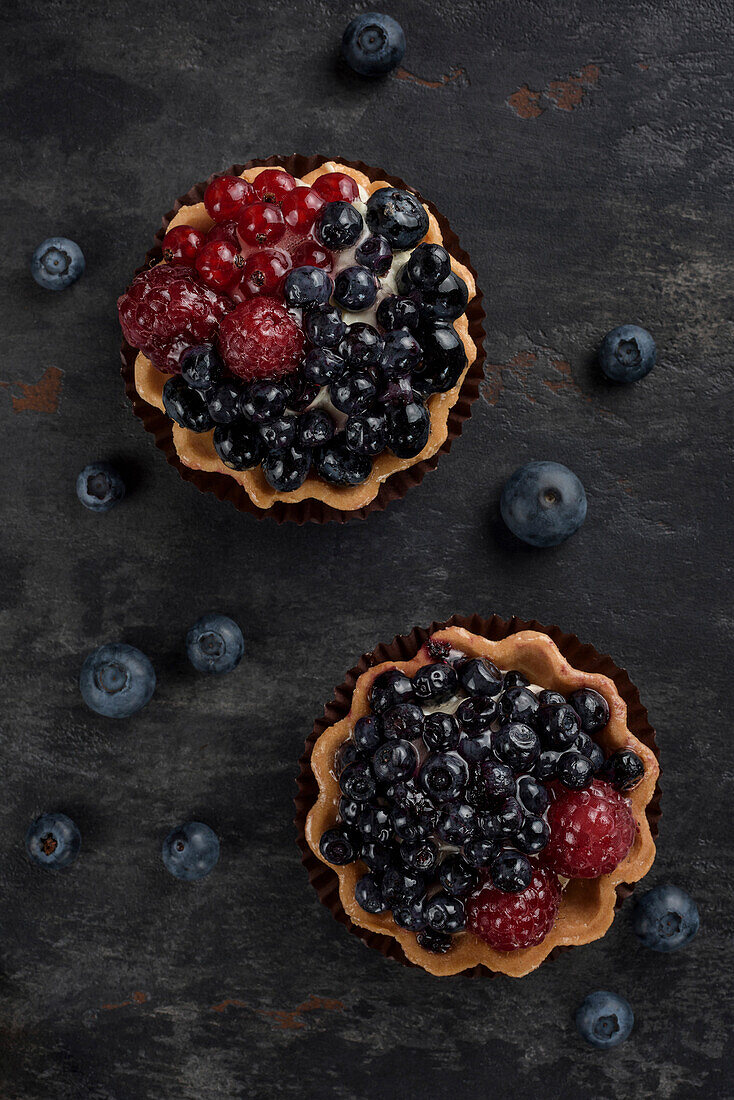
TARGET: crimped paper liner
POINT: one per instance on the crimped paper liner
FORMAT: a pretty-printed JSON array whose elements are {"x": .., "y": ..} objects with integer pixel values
[
  {"x": 310, "y": 510},
  {"x": 404, "y": 647}
]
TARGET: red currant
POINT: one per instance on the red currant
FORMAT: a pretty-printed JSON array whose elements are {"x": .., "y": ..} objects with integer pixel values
[
  {"x": 226, "y": 196},
  {"x": 312, "y": 254},
  {"x": 225, "y": 231},
  {"x": 300, "y": 207},
  {"x": 336, "y": 187},
  {"x": 272, "y": 185},
  {"x": 181, "y": 244},
  {"x": 264, "y": 272},
  {"x": 262, "y": 223},
  {"x": 219, "y": 265}
]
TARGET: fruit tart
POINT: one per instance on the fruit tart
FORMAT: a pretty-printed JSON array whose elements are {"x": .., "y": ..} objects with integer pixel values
[
  {"x": 483, "y": 801},
  {"x": 306, "y": 334}
]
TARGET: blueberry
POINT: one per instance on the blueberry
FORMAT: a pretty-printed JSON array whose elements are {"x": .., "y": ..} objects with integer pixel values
[
  {"x": 373, "y": 44},
  {"x": 420, "y": 855},
  {"x": 446, "y": 301},
  {"x": 375, "y": 254},
  {"x": 445, "y": 913},
  {"x": 368, "y": 894},
  {"x": 400, "y": 886},
  {"x": 366, "y": 434},
  {"x": 339, "y": 226},
  {"x": 546, "y": 765},
  {"x": 624, "y": 769},
  {"x": 443, "y": 776},
  {"x": 300, "y": 393},
  {"x": 287, "y": 469},
  {"x": 361, "y": 347},
  {"x": 337, "y": 846},
  {"x": 435, "y": 683},
  {"x": 533, "y": 795},
  {"x": 665, "y": 918},
  {"x": 395, "y": 759},
  {"x": 116, "y": 680},
  {"x": 591, "y": 707},
  {"x": 551, "y": 698},
  {"x": 57, "y": 263},
  {"x": 438, "y": 943},
  {"x": 378, "y": 857},
  {"x": 263, "y": 400},
  {"x": 441, "y": 732},
  {"x": 315, "y": 428},
  {"x": 511, "y": 871},
  {"x": 402, "y": 354},
  {"x": 238, "y": 445},
  {"x": 190, "y": 851},
  {"x": 456, "y": 876},
  {"x": 557, "y": 725},
  {"x": 397, "y": 391},
  {"x": 350, "y": 810},
  {"x": 413, "y": 822},
  {"x": 627, "y": 353},
  {"x": 499, "y": 779},
  {"x": 457, "y": 822},
  {"x": 405, "y": 721},
  {"x": 53, "y": 841},
  {"x": 519, "y": 704},
  {"x": 324, "y": 326},
  {"x": 99, "y": 487},
  {"x": 395, "y": 312},
  {"x": 201, "y": 367},
  {"x": 476, "y": 716},
  {"x": 428, "y": 265},
  {"x": 279, "y": 433},
  {"x": 340, "y": 466},
  {"x": 543, "y": 503},
  {"x": 398, "y": 216},
  {"x": 590, "y": 749},
  {"x": 532, "y": 836},
  {"x": 354, "y": 393},
  {"x": 504, "y": 822},
  {"x": 223, "y": 401},
  {"x": 574, "y": 770},
  {"x": 215, "y": 644},
  {"x": 357, "y": 781},
  {"x": 514, "y": 679},
  {"x": 355, "y": 289},
  {"x": 408, "y": 429},
  {"x": 516, "y": 744},
  {"x": 368, "y": 733},
  {"x": 185, "y": 406},
  {"x": 409, "y": 915},
  {"x": 444, "y": 359},
  {"x": 307, "y": 286},
  {"x": 374, "y": 824},
  {"x": 604, "y": 1019},
  {"x": 347, "y": 753},
  {"x": 480, "y": 678},
  {"x": 405, "y": 286},
  {"x": 390, "y": 688},
  {"x": 479, "y": 852},
  {"x": 476, "y": 747}
]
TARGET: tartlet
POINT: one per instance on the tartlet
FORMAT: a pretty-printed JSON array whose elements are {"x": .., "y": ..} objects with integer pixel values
[
  {"x": 336, "y": 486},
  {"x": 580, "y": 909}
]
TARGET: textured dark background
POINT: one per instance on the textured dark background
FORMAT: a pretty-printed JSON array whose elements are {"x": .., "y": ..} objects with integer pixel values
[{"x": 583, "y": 152}]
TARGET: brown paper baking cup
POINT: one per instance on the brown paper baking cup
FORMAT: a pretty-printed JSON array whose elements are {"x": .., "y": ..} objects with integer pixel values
[
  {"x": 310, "y": 510},
  {"x": 404, "y": 647}
]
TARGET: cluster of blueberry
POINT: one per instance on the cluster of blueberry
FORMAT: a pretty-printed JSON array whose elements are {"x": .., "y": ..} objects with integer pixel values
[{"x": 443, "y": 788}]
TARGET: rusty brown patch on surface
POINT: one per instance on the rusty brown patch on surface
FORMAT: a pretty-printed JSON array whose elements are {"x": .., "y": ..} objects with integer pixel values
[
  {"x": 42, "y": 396},
  {"x": 551, "y": 369},
  {"x": 525, "y": 102},
  {"x": 283, "y": 1018},
  {"x": 564, "y": 94},
  {"x": 519, "y": 366},
  {"x": 643, "y": 65},
  {"x": 456, "y": 75},
  {"x": 137, "y": 997}
]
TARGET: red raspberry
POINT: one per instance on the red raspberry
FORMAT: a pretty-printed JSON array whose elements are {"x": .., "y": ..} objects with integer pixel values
[
  {"x": 264, "y": 272},
  {"x": 300, "y": 208},
  {"x": 312, "y": 254},
  {"x": 181, "y": 244},
  {"x": 219, "y": 265},
  {"x": 336, "y": 187},
  {"x": 510, "y": 921},
  {"x": 591, "y": 831},
  {"x": 262, "y": 223},
  {"x": 260, "y": 339},
  {"x": 272, "y": 185},
  {"x": 166, "y": 310},
  {"x": 227, "y": 196}
]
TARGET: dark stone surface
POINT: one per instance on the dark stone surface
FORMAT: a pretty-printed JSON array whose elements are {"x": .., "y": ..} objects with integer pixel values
[{"x": 610, "y": 201}]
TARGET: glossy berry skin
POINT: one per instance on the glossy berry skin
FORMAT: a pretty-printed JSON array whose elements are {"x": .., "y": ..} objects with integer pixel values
[
  {"x": 340, "y": 466},
  {"x": 627, "y": 353},
  {"x": 443, "y": 776},
  {"x": 226, "y": 231},
  {"x": 410, "y": 915},
  {"x": 396, "y": 312},
  {"x": 397, "y": 391},
  {"x": 434, "y": 683},
  {"x": 336, "y": 187},
  {"x": 337, "y": 846},
  {"x": 227, "y": 196},
  {"x": 374, "y": 824},
  {"x": 546, "y": 765},
  {"x": 186, "y": 406},
  {"x": 53, "y": 841},
  {"x": 339, "y": 226},
  {"x": 191, "y": 851},
  {"x": 400, "y": 885},
  {"x": 366, "y": 433},
  {"x": 263, "y": 400},
  {"x": 498, "y": 778},
  {"x": 347, "y": 754},
  {"x": 279, "y": 433},
  {"x": 394, "y": 760},
  {"x": 368, "y": 894},
  {"x": 408, "y": 429},
  {"x": 300, "y": 209},
  {"x": 557, "y": 726},
  {"x": 286, "y": 470},
  {"x": 594, "y": 752},
  {"x": 445, "y": 913},
  {"x": 261, "y": 224},
  {"x": 476, "y": 715},
  {"x": 604, "y": 1019},
  {"x": 480, "y": 678},
  {"x": 99, "y": 487},
  {"x": 510, "y": 921},
  {"x": 414, "y": 821},
  {"x": 532, "y": 836},
  {"x": 315, "y": 428},
  {"x": 116, "y": 680},
  {"x": 502, "y": 822},
  {"x": 532, "y": 795},
  {"x": 264, "y": 273},
  {"x": 514, "y": 679},
  {"x": 428, "y": 265},
  {"x": 447, "y": 301},
  {"x": 519, "y": 704},
  {"x": 353, "y": 393},
  {"x": 57, "y": 263},
  {"x": 306, "y": 286},
  {"x": 551, "y": 698},
  {"x": 592, "y": 709},
  {"x": 543, "y": 503},
  {"x": 349, "y": 810},
  {"x": 181, "y": 244},
  {"x": 444, "y": 359},
  {"x": 219, "y": 265},
  {"x": 437, "y": 943},
  {"x": 362, "y": 346},
  {"x": 324, "y": 326},
  {"x": 478, "y": 852},
  {"x": 592, "y": 831},
  {"x": 355, "y": 289},
  {"x": 312, "y": 254},
  {"x": 398, "y": 216},
  {"x": 260, "y": 339},
  {"x": 390, "y": 688},
  {"x": 665, "y": 918},
  {"x": 402, "y": 354},
  {"x": 223, "y": 400},
  {"x": 368, "y": 733},
  {"x": 373, "y": 44},
  {"x": 405, "y": 720},
  {"x": 517, "y": 744},
  {"x": 238, "y": 445},
  {"x": 420, "y": 855},
  {"x": 273, "y": 184},
  {"x": 201, "y": 368},
  {"x": 322, "y": 366},
  {"x": 574, "y": 770},
  {"x": 624, "y": 769},
  {"x": 456, "y": 877},
  {"x": 357, "y": 781},
  {"x": 214, "y": 644},
  {"x": 378, "y": 857},
  {"x": 456, "y": 822},
  {"x": 375, "y": 254},
  {"x": 476, "y": 747},
  {"x": 441, "y": 732}
]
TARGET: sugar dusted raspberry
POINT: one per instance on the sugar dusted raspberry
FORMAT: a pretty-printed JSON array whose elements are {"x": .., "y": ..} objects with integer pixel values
[
  {"x": 511, "y": 921},
  {"x": 591, "y": 831},
  {"x": 166, "y": 310},
  {"x": 260, "y": 339}
]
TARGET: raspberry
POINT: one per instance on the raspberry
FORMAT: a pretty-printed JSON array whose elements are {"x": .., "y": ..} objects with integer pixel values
[
  {"x": 510, "y": 921},
  {"x": 336, "y": 187},
  {"x": 591, "y": 831},
  {"x": 166, "y": 310},
  {"x": 273, "y": 185},
  {"x": 181, "y": 245},
  {"x": 260, "y": 339},
  {"x": 227, "y": 196}
]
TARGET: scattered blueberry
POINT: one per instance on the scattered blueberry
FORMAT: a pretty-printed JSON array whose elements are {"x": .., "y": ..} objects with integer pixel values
[
  {"x": 366, "y": 433},
  {"x": 421, "y": 854},
  {"x": 402, "y": 354},
  {"x": 279, "y": 433},
  {"x": 665, "y": 918},
  {"x": 408, "y": 429},
  {"x": 368, "y": 732},
  {"x": 456, "y": 877},
  {"x": 353, "y": 393},
  {"x": 479, "y": 677},
  {"x": 215, "y": 644},
  {"x": 476, "y": 715},
  {"x": 322, "y": 366},
  {"x": 457, "y": 822},
  {"x": 116, "y": 680},
  {"x": 287, "y": 469},
  {"x": 357, "y": 781},
  {"x": 511, "y": 871},
  {"x": 543, "y": 503},
  {"x": 395, "y": 759},
  {"x": 446, "y": 301},
  {"x": 557, "y": 725},
  {"x": 627, "y": 353},
  {"x": 441, "y": 732},
  {"x": 223, "y": 401},
  {"x": 340, "y": 466},
  {"x": 398, "y": 216},
  {"x": 428, "y": 265},
  {"x": 400, "y": 885},
  {"x": 519, "y": 704},
  {"x": 438, "y": 943},
  {"x": 263, "y": 400},
  {"x": 191, "y": 851},
  {"x": 434, "y": 683},
  {"x": 53, "y": 841},
  {"x": 443, "y": 776},
  {"x": 574, "y": 770},
  {"x": 100, "y": 487},
  {"x": 444, "y": 359},
  {"x": 516, "y": 744},
  {"x": 57, "y": 263},
  {"x": 404, "y": 720},
  {"x": 394, "y": 312},
  {"x": 362, "y": 346},
  {"x": 445, "y": 913},
  {"x": 604, "y": 1019},
  {"x": 368, "y": 893},
  {"x": 373, "y": 44}
]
